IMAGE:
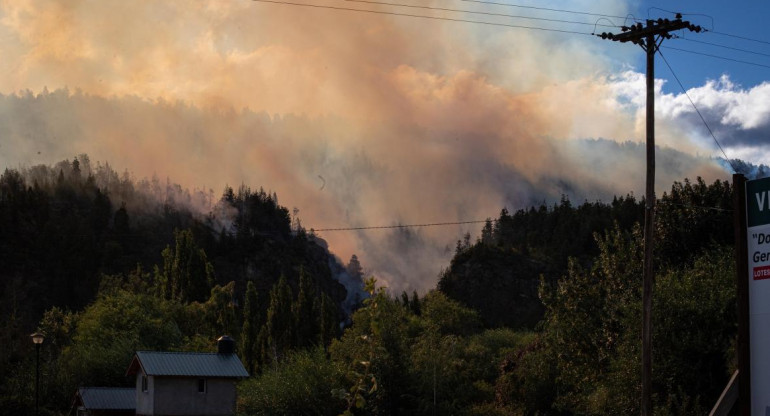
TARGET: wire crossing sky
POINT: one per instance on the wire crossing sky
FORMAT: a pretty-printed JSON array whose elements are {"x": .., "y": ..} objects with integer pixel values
[{"x": 380, "y": 113}]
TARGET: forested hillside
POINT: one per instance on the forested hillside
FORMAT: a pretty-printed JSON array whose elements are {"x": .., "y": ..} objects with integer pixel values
[
  {"x": 538, "y": 314},
  {"x": 107, "y": 266},
  {"x": 499, "y": 273}
]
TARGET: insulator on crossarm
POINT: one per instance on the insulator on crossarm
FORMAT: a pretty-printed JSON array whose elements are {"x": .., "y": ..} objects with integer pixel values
[{"x": 625, "y": 28}]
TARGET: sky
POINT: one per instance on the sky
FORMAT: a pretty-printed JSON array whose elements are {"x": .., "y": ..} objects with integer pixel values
[
  {"x": 723, "y": 21},
  {"x": 361, "y": 119}
]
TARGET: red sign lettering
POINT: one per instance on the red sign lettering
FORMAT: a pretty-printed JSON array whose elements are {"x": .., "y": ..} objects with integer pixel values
[{"x": 761, "y": 273}]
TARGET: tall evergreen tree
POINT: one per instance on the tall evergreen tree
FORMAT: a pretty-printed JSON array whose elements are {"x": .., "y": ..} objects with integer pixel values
[
  {"x": 280, "y": 321},
  {"x": 354, "y": 268},
  {"x": 250, "y": 330},
  {"x": 414, "y": 305},
  {"x": 405, "y": 299},
  {"x": 305, "y": 311},
  {"x": 187, "y": 274},
  {"x": 329, "y": 320}
]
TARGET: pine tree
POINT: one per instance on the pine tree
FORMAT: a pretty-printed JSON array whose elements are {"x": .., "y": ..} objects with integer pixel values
[
  {"x": 329, "y": 320},
  {"x": 187, "y": 275},
  {"x": 250, "y": 330},
  {"x": 487, "y": 233},
  {"x": 280, "y": 321},
  {"x": 354, "y": 268},
  {"x": 415, "y": 304},
  {"x": 305, "y": 311},
  {"x": 75, "y": 171}
]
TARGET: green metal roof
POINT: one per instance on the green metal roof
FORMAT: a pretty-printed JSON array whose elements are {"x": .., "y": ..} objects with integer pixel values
[
  {"x": 187, "y": 364},
  {"x": 107, "y": 398}
]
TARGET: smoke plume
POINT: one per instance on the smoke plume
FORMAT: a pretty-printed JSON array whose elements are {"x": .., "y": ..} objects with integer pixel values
[{"x": 355, "y": 119}]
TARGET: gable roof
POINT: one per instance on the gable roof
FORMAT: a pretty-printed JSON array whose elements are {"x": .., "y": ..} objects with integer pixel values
[
  {"x": 187, "y": 364},
  {"x": 106, "y": 398}
]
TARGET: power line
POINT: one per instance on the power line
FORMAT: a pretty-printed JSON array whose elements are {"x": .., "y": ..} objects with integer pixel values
[
  {"x": 695, "y": 206},
  {"x": 547, "y": 9},
  {"x": 444, "y": 9},
  {"x": 697, "y": 111},
  {"x": 738, "y": 37},
  {"x": 318, "y": 6},
  {"x": 439, "y": 224},
  {"x": 682, "y": 14},
  {"x": 716, "y": 56},
  {"x": 712, "y": 25},
  {"x": 386, "y": 227},
  {"x": 724, "y": 46}
]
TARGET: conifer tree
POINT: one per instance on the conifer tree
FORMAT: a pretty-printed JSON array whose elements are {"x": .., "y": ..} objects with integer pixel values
[
  {"x": 415, "y": 303},
  {"x": 250, "y": 330},
  {"x": 329, "y": 320},
  {"x": 354, "y": 268},
  {"x": 305, "y": 312},
  {"x": 187, "y": 274},
  {"x": 280, "y": 321}
]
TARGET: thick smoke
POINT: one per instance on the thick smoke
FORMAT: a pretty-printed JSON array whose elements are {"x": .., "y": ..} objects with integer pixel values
[{"x": 355, "y": 119}]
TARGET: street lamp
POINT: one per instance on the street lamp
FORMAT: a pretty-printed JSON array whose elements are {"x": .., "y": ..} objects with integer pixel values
[{"x": 37, "y": 339}]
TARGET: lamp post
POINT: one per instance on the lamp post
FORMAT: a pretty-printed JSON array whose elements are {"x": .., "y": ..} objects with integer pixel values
[{"x": 37, "y": 339}]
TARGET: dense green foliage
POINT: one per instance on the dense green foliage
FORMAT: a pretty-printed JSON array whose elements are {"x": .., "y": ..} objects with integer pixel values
[
  {"x": 73, "y": 264},
  {"x": 300, "y": 386},
  {"x": 540, "y": 315},
  {"x": 389, "y": 362},
  {"x": 499, "y": 274},
  {"x": 586, "y": 360}
]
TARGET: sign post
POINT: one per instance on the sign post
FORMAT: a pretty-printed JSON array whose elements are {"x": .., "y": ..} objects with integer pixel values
[{"x": 758, "y": 244}]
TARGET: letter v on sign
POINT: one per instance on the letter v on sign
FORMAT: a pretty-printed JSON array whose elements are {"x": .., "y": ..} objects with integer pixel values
[{"x": 757, "y": 200}]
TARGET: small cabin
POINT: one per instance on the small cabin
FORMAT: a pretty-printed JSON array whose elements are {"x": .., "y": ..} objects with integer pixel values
[
  {"x": 187, "y": 383},
  {"x": 105, "y": 401}
]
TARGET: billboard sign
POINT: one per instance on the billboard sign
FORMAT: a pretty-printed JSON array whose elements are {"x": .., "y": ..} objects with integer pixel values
[{"x": 758, "y": 234}]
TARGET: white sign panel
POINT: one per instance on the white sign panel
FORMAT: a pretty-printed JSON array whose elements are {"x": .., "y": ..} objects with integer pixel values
[{"x": 758, "y": 219}]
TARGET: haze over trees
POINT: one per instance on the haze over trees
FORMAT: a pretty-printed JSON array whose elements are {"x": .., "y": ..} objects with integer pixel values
[
  {"x": 538, "y": 314},
  {"x": 98, "y": 260}
]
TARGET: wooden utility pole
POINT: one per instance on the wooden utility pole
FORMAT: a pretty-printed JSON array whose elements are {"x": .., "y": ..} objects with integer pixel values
[
  {"x": 742, "y": 283},
  {"x": 649, "y": 38}
]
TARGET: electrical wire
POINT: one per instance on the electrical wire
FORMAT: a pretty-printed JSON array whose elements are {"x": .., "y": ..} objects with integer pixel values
[
  {"x": 387, "y": 227},
  {"x": 546, "y": 9},
  {"x": 661, "y": 202},
  {"x": 319, "y": 6},
  {"x": 706, "y": 30},
  {"x": 716, "y": 56},
  {"x": 437, "y": 224},
  {"x": 444, "y": 9},
  {"x": 682, "y": 14},
  {"x": 723, "y": 46},
  {"x": 738, "y": 37},
  {"x": 703, "y": 119}
]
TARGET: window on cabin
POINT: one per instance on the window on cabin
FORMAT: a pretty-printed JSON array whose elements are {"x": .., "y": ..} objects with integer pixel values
[
  {"x": 201, "y": 385},
  {"x": 144, "y": 383}
]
